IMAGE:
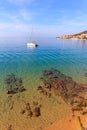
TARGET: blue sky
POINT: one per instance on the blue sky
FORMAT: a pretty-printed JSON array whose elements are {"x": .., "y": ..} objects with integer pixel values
[{"x": 46, "y": 17}]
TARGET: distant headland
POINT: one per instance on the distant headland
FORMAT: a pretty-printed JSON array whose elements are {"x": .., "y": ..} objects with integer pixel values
[{"x": 81, "y": 35}]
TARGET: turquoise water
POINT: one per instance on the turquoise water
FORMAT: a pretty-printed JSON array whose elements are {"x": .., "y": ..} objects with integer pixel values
[{"x": 68, "y": 56}]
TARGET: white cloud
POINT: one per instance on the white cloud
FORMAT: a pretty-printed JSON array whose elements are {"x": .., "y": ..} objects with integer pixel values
[
  {"x": 13, "y": 29},
  {"x": 22, "y": 15},
  {"x": 24, "y": 30},
  {"x": 19, "y": 25}
]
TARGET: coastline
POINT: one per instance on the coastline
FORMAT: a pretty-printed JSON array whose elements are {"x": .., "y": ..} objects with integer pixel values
[
  {"x": 70, "y": 38},
  {"x": 78, "y": 36}
]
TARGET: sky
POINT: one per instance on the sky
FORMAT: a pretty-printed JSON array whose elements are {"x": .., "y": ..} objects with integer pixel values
[{"x": 47, "y": 18}]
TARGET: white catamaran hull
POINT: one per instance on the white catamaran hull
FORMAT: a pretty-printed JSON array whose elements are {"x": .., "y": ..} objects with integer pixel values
[{"x": 31, "y": 44}]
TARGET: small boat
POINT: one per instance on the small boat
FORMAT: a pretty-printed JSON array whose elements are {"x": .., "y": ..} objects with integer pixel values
[{"x": 32, "y": 44}]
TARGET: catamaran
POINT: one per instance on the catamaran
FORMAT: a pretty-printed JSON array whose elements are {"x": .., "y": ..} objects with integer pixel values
[{"x": 32, "y": 44}]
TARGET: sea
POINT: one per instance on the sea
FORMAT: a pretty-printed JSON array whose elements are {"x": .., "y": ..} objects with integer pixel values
[{"x": 67, "y": 56}]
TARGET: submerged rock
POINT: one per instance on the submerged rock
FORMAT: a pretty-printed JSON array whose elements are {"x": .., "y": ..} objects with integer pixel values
[
  {"x": 47, "y": 73},
  {"x": 85, "y": 74},
  {"x": 39, "y": 88},
  {"x": 9, "y": 127},
  {"x": 10, "y": 92},
  {"x": 36, "y": 111},
  {"x": 64, "y": 86},
  {"x": 14, "y": 84},
  {"x": 21, "y": 89},
  {"x": 31, "y": 111},
  {"x": 22, "y": 111}
]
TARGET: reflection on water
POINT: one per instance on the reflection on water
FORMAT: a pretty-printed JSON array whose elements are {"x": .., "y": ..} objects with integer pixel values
[
  {"x": 68, "y": 56},
  {"x": 84, "y": 43}
]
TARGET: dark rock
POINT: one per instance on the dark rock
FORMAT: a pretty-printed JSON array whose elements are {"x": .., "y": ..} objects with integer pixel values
[
  {"x": 47, "y": 85},
  {"x": 28, "y": 110},
  {"x": 45, "y": 92},
  {"x": 27, "y": 106},
  {"x": 14, "y": 84},
  {"x": 47, "y": 73},
  {"x": 9, "y": 127},
  {"x": 41, "y": 78},
  {"x": 21, "y": 89},
  {"x": 10, "y": 92},
  {"x": 49, "y": 95},
  {"x": 85, "y": 74},
  {"x": 39, "y": 88},
  {"x": 22, "y": 112},
  {"x": 77, "y": 108},
  {"x": 29, "y": 113},
  {"x": 36, "y": 111},
  {"x": 64, "y": 86},
  {"x": 41, "y": 91}
]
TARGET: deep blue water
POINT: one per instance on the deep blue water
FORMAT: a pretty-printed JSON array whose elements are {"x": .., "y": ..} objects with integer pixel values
[{"x": 68, "y": 56}]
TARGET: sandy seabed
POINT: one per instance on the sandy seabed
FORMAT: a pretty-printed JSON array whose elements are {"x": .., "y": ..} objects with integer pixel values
[
  {"x": 69, "y": 123},
  {"x": 55, "y": 113},
  {"x": 52, "y": 109}
]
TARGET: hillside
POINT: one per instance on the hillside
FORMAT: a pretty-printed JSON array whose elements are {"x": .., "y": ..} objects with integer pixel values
[
  {"x": 84, "y": 32},
  {"x": 81, "y": 35}
]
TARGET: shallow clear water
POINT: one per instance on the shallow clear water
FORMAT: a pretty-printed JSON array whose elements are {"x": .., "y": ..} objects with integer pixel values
[{"x": 68, "y": 56}]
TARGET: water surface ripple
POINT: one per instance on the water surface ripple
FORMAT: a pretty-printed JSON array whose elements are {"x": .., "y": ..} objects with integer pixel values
[{"x": 70, "y": 57}]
